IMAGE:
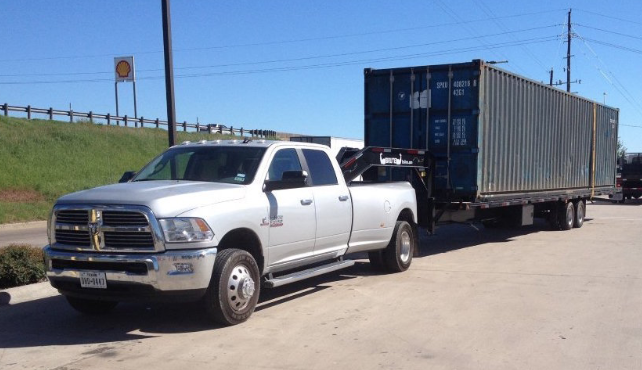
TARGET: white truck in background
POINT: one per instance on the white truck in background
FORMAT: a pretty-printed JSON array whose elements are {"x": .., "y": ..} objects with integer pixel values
[{"x": 216, "y": 220}]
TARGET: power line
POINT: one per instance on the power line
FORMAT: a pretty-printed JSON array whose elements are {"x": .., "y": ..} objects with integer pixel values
[
  {"x": 611, "y": 32},
  {"x": 281, "y": 42},
  {"x": 299, "y": 58},
  {"x": 608, "y": 16},
  {"x": 318, "y": 65}
]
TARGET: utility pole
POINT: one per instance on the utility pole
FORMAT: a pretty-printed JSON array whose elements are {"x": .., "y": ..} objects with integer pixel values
[
  {"x": 568, "y": 54},
  {"x": 169, "y": 73}
]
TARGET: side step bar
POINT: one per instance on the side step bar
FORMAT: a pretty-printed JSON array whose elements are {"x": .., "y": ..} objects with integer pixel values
[{"x": 274, "y": 282}]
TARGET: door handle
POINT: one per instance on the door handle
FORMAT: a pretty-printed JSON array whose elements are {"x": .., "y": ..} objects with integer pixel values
[
  {"x": 306, "y": 202},
  {"x": 343, "y": 198}
]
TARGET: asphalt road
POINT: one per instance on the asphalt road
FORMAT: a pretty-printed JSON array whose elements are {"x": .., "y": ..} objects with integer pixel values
[
  {"x": 33, "y": 233},
  {"x": 501, "y": 299}
]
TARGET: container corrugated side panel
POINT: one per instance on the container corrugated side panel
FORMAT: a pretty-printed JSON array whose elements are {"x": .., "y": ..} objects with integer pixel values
[
  {"x": 606, "y": 145},
  {"x": 532, "y": 137}
]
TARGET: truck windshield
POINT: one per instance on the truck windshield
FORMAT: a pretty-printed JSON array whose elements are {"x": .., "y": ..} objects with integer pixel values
[{"x": 232, "y": 165}]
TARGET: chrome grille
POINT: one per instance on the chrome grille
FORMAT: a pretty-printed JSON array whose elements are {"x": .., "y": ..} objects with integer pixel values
[
  {"x": 124, "y": 218},
  {"x": 77, "y": 238},
  {"x": 106, "y": 229},
  {"x": 69, "y": 216},
  {"x": 115, "y": 239}
]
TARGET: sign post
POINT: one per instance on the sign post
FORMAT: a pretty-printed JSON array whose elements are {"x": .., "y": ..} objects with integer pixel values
[{"x": 125, "y": 72}]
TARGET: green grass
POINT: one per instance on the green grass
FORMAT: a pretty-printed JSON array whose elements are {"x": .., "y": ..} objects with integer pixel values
[{"x": 42, "y": 160}]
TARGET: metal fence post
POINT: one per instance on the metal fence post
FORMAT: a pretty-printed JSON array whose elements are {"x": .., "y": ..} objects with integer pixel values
[
  {"x": 241, "y": 131},
  {"x": 157, "y": 122},
  {"x": 5, "y": 107},
  {"x": 91, "y": 116},
  {"x": 28, "y": 111},
  {"x": 108, "y": 119},
  {"x": 126, "y": 119},
  {"x": 141, "y": 122},
  {"x": 71, "y": 115},
  {"x": 184, "y": 126},
  {"x": 50, "y": 112}
]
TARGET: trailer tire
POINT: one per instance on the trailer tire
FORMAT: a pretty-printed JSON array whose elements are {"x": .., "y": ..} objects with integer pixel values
[
  {"x": 398, "y": 254},
  {"x": 91, "y": 306},
  {"x": 234, "y": 288},
  {"x": 376, "y": 260},
  {"x": 565, "y": 216},
  {"x": 580, "y": 213}
]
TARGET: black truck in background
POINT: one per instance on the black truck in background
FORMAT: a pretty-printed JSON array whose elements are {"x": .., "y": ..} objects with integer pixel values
[{"x": 630, "y": 179}]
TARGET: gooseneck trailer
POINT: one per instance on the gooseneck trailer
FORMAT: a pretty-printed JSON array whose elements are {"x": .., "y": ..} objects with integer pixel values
[{"x": 497, "y": 147}]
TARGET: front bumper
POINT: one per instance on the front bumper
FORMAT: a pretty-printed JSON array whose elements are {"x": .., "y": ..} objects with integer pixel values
[{"x": 133, "y": 276}]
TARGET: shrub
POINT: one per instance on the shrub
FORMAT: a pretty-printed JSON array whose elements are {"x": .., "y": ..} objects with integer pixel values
[{"x": 20, "y": 265}]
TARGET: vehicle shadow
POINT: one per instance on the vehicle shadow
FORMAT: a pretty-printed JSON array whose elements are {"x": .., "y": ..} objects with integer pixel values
[{"x": 51, "y": 321}]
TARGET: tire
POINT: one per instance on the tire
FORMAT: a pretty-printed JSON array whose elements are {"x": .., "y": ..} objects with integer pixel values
[
  {"x": 580, "y": 213},
  {"x": 234, "y": 288},
  {"x": 398, "y": 254},
  {"x": 91, "y": 306},
  {"x": 565, "y": 216},
  {"x": 376, "y": 260}
]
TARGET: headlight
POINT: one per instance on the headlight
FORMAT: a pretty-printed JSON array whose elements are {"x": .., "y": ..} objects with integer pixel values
[{"x": 182, "y": 230}]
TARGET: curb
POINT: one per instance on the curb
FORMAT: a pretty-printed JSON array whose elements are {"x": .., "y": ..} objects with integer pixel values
[
  {"x": 23, "y": 225},
  {"x": 26, "y": 293}
]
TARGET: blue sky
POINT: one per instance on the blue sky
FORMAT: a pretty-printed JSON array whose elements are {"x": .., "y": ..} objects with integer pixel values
[{"x": 297, "y": 66}]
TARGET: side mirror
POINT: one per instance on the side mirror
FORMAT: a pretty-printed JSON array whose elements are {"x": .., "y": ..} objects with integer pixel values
[
  {"x": 127, "y": 176},
  {"x": 289, "y": 180}
]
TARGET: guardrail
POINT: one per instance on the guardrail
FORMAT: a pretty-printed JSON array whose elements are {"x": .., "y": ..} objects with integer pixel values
[{"x": 211, "y": 128}]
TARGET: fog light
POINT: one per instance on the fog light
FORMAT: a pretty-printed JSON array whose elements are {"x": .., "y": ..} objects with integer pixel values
[{"x": 182, "y": 268}]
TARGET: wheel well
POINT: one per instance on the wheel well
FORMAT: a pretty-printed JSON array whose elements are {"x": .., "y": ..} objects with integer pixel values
[
  {"x": 407, "y": 215},
  {"x": 244, "y": 239}
]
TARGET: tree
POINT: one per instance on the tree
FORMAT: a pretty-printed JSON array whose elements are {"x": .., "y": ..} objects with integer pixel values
[{"x": 621, "y": 149}]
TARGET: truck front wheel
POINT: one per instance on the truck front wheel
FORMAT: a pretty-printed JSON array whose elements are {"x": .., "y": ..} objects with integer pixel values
[
  {"x": 234, "y": 289},
  {"x": 91, "y": 306},
  {"x": 398, "y": 254}
]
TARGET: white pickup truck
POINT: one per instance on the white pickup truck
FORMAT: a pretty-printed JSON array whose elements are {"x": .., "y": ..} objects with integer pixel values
[{"x": 217, "y": 220}]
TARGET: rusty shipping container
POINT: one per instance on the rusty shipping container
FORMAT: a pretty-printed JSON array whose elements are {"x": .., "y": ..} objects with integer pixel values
[{"x": 494, "y": 135}]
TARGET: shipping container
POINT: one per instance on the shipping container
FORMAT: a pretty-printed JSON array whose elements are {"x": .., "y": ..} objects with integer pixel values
[{"x": 494, "y": 135}]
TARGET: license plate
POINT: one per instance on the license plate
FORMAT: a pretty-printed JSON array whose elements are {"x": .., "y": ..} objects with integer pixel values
[{"x": 93, "y": 279}]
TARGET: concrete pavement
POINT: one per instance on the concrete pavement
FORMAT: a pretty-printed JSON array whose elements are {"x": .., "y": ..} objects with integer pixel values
[{"x": 488, "y": 299}]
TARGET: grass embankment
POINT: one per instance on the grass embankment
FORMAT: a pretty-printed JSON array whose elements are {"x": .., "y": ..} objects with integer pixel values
[{"x": 42, "y": 160}]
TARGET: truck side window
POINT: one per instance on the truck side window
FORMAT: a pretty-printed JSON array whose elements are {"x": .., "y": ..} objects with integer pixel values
[
  {"x": 284, "y": 160},
  {"x": 321, "y": 169}
]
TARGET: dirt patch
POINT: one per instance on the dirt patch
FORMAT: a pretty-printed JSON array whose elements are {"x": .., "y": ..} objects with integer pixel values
[{"x": 20, "y": 196}]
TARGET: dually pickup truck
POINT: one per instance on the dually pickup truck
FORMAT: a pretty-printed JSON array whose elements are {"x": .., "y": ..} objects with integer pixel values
[{"x": 216, "y": 220}]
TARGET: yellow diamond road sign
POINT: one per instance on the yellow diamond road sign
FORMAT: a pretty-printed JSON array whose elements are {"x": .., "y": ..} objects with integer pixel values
[{"x": 124, "y": 69}]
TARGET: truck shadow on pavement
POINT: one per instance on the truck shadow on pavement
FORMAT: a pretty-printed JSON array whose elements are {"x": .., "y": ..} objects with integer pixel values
[{"x": 51, "y": 321}]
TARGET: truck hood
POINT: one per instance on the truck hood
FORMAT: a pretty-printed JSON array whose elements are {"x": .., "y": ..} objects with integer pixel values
[{"x": 166, "y": 198}]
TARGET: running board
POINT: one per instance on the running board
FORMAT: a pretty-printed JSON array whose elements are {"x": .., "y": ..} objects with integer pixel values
[{"x": 305, "y": 274}]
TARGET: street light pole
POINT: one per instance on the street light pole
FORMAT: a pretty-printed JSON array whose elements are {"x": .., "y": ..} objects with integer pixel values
[{"x": 169, "y": 73}]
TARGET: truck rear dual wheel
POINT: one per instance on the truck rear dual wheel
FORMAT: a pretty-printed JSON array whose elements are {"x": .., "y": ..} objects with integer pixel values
[
  {"x": 91, "y": 306},
  {"x": 234, "y": 288},
  {"x": 398, "y": 254}
]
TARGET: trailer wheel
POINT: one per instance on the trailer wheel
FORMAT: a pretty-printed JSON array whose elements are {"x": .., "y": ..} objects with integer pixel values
[
  {"x": 91, "y": 306},
  {"x": 565, "y": 216},
  {"x": 398, "y": 254},
  {"x": 580, "y": 213},
  {"x": 376, "y": 260},
  {"x": 234, "y": 288}
]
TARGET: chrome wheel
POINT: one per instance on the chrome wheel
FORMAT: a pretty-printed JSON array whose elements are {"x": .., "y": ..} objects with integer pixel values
[
  {"x": 241, "y": 288},
  {"x": 405, "y": 247}
]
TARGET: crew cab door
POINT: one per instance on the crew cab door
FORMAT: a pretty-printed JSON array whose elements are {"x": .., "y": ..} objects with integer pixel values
[
  {"x": 292, "y": 219},
  {"x": 333, "y": 204}
]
